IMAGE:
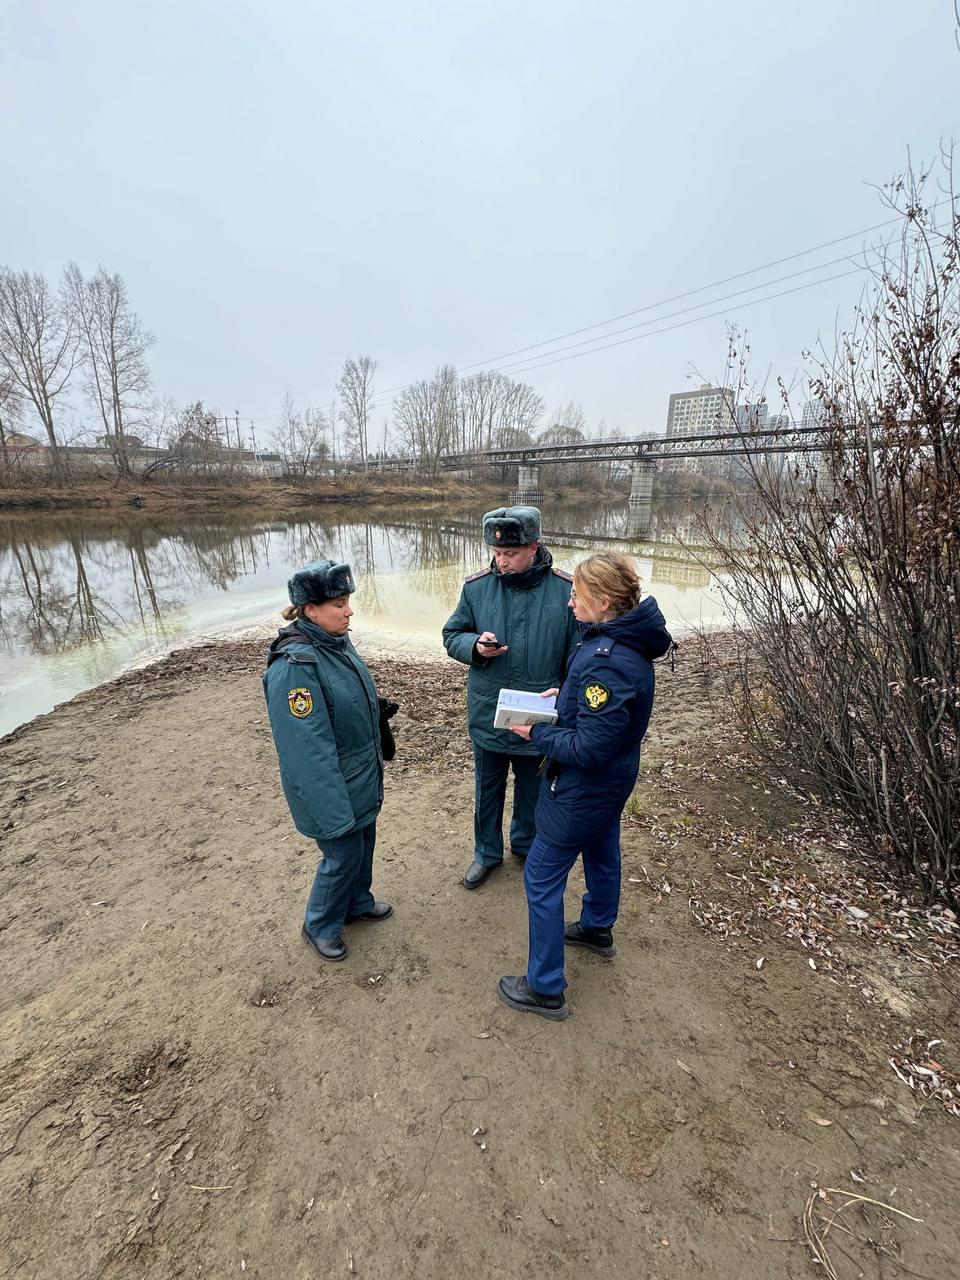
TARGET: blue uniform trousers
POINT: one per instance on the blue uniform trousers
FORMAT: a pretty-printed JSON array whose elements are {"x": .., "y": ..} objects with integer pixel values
[
  {"x": 545, "y": 878},
  {"x": 341, "y": 887},
  {"x": 490, "y": 770}
]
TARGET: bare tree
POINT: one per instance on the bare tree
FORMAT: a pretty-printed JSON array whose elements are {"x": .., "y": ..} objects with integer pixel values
[
  {"x": 356, "y": 396},
  {"x": 427, "y": 415},
  {"x": 11, "y": 406},
  {"x": 567, "y": 425},
  {"x": 113, "y": 346},
  {"x": 302, "y": 438},
  {"x": 847, "y": 579},
  {"x": 196, "y": 442},
  {"x": 483, "y": 397},
  {"x": 160, "y": 421},
  {"x": 38, "y": 346}
]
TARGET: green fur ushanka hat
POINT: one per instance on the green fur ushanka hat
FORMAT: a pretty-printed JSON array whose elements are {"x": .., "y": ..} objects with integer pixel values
[
  {"x": 323, "y": 580},
  {"x": 511, "y": 527}
]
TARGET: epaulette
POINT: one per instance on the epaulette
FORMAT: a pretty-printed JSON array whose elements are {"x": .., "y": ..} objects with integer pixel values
[
  {"x": 562, "y": 573},
  {"x": 474, "y": 576}
]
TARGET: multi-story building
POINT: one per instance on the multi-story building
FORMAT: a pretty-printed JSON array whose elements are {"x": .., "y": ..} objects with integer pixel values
[
  {"x": 759, "y": 465},
  {"x": 814, "y": 467},
  {"x": 702, "y": 412}
]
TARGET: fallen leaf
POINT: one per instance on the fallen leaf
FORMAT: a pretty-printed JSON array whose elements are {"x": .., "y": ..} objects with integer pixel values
[
  {"x": 820, "y": 1120},
  {"x": 550, "y": 1218},
  {"x": 760, "y": 962}
]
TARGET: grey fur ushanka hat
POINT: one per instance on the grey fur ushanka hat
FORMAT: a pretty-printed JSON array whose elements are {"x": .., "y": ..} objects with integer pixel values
[
  {"x": 321, "y": 581},
  {"x": 511, "y": 527}
]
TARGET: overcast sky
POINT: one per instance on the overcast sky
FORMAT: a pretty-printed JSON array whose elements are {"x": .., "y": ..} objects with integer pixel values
[{"x": 282, "y": 186}]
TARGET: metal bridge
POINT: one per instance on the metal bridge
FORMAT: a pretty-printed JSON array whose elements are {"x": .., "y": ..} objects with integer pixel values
[{"x": 642, "y": 453}]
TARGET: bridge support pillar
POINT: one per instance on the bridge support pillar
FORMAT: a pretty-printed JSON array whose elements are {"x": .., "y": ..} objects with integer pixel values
[
  {"x": 639, "y": 520},
  {"x": 528, "y": 492},
  {"x": 641, "y": 486}
]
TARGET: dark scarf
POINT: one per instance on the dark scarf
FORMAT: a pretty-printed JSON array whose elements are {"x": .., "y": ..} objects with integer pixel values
[{"x": 530, "y": 577}]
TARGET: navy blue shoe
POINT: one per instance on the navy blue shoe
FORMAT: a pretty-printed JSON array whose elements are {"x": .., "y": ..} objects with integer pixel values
[{"x": 516, "y": 993}]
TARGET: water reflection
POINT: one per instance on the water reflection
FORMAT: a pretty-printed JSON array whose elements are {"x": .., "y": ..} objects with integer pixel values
[{"x": 81, "y": 598}]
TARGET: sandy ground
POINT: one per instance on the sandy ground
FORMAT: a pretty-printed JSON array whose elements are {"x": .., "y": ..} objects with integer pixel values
[{"x": 187, "y": 1091}]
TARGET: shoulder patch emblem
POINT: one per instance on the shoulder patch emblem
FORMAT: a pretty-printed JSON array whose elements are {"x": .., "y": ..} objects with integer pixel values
[
  {"x": 562, "y": 573},
  {"x": 596, "y": 695},
  {"x": 300, "y": 702}
]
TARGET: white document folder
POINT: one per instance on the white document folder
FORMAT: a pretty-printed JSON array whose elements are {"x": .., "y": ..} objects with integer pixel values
[{"x": 516, "y": 706}]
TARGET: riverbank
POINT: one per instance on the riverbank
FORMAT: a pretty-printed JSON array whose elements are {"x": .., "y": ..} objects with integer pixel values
[
  {"x": 161, "y": 494},
  {"x": 187, "y": 1091}
]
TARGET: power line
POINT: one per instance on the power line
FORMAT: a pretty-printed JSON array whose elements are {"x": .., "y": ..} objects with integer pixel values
[
  {"x": 682, "y": 324},
  {"x": 653, "y": 306},
  {"x": 642, "y": 324},
  {"x": 382, "y": 398}
]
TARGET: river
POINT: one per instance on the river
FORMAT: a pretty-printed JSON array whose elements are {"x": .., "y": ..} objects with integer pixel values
[{"x": 85, "y": 597}]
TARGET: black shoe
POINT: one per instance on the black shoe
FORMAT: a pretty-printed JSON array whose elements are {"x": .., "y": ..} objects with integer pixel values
[
  {"x": 520, "y": 857},
  {"x": 379, "y": 911},
  {"x": 476, "y": 874},
  {"x": 516, "y": 993},
  {"x": 326, "y": 948},
  {"x": 599, "y": 941}
]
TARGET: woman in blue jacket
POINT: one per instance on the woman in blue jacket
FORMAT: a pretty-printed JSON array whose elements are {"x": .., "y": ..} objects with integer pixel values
[
  {"x": 593, "y": 758},
  {"x": 325, "y": 717}
]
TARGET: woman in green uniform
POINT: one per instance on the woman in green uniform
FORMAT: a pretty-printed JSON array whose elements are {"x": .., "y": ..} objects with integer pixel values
[{"x": 325, "y": 717}]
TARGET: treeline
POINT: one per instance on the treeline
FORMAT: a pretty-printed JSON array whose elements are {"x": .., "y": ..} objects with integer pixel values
[
  {"x": 447, "y": 413},
  {"x": 82, "y": 332},
  {"x": 82, "y": 338}
]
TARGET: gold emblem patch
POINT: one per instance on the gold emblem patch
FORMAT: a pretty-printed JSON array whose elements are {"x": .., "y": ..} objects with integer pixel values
[
  {"x": 596, "y": 696},
  {"x": 300, "y": 702}
]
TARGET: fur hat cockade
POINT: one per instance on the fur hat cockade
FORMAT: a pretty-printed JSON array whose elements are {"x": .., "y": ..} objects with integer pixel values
[
  {"x": 323, "y": 580},
  {"x": 511, "y": 527}
]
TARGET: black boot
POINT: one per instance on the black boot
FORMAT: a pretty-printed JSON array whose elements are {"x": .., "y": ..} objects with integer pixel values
[
  {"x": 599, "y": 941},
  {"x": 516, "y": 993},
  {"x": 379, "y": 911},
  {"x": 326, "y": 948},
  {"x": 477, "y": 873}
]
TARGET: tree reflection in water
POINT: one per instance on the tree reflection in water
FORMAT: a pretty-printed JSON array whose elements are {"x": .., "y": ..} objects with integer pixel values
[{"x": 66, "y": 583}]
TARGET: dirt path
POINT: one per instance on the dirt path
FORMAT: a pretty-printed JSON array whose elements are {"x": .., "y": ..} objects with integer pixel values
[{"x": 186, "y": 1091}]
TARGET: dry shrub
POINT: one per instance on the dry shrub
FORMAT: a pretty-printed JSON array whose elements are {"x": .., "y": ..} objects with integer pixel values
[{"x": 846, "y": 584}]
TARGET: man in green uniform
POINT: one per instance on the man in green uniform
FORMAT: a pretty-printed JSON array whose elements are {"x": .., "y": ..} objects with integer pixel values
[{"x": 513, "y": 630}]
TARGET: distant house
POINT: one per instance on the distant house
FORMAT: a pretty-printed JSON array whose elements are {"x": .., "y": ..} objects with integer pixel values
[
  {"x": 22, "y": 443},
  {"x": 20, "y": 450}
]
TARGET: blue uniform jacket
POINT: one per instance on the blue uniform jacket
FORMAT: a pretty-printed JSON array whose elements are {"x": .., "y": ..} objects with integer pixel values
[
  {"x": 603, "y": 710},
  {"x": 326, "y": 727},
  {"x": 527, "y": 612}
]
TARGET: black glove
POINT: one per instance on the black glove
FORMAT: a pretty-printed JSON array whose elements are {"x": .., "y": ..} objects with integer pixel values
[{"x": 388, "y": 744}]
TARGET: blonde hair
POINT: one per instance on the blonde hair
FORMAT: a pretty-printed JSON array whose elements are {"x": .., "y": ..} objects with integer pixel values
[
  {"x": 292, "y": 612},
  {"x": 612, "y": 575}
]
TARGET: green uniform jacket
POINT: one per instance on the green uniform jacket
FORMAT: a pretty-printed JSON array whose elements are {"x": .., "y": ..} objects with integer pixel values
[
  {"x": 326, "y": 728},
  {"x": 528, "y": 613}
]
